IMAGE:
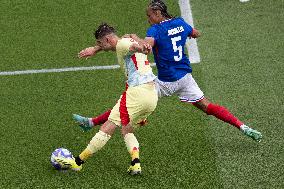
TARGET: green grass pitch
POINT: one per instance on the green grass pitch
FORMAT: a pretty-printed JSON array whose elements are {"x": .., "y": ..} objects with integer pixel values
[{"x": 242, "y": 68}]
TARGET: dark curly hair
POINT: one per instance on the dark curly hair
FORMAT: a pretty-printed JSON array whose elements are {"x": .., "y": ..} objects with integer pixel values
[
  {"x": 161, "y": 6},
  {"x": 103, "y": 30}
]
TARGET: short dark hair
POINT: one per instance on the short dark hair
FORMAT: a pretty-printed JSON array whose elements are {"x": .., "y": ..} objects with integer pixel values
[
  {"x": 161, "y": 6},
  {"x": 103, "y": 30}
]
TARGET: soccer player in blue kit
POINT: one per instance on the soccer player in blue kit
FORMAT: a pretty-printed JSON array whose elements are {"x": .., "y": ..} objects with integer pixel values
[{"x": 167, "y": 37}]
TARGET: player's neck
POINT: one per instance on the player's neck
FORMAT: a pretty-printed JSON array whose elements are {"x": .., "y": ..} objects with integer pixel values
[{"x": 115, "y": 41}]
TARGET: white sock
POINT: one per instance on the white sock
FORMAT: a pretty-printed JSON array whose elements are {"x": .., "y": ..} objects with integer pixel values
[
  {"x": 131, "y": 142},
  {"x": 98, "y": 141}
]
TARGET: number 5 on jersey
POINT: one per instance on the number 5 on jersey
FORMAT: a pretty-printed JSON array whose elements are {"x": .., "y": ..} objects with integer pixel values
[{"x": 177, "y": 48}]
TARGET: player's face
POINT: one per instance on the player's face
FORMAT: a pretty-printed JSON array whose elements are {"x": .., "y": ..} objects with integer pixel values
[
  {"x": 104, "y": 43},
  {"x": 152, "y": 17}
]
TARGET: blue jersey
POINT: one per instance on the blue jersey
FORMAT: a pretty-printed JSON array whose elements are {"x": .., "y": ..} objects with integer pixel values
[{"x": 170, "y": 38}]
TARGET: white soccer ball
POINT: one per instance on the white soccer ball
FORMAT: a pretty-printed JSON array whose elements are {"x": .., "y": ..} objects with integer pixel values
[{"x": 60, "y": 152}]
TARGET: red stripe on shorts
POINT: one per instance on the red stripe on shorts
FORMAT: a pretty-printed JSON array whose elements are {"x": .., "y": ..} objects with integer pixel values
[
  {"x": 124, "y": 116},
  {"x": 133, "y": 57}
]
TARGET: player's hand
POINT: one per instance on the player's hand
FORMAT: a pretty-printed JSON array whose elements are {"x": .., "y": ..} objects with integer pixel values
[
  {"x": 87, "y": 52},
  {"x": 146, "y": 48}
]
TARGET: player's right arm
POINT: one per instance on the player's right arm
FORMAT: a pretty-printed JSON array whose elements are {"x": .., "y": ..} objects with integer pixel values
[
  {"x": 141, "y": 48},
  {"x": 90, "y": 51},
  {"x": 148, "y": 42}
]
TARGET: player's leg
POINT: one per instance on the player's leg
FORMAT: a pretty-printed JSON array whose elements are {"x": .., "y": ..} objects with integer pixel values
[
  {"x": 132, "y": 145},
  {"x": 87, "y": 124},
  {"x": 225, "y": 115},
  {"x": 165, "y": 88},
  {"x": 190, "y": 92},
  {"x": 98, "y": 141},
  {"x": 106, "y": 131},
  {"x": 127, "y": 103},
  {"x": 138, "y": 103},
  {"x": 218, "y": 111}
]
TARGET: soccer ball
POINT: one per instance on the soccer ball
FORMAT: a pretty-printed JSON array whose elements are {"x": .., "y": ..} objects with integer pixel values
[{"x": 60, "y": 152}]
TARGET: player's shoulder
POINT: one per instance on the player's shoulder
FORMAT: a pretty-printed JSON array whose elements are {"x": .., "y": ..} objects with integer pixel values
[
  {"x": 179, "y": 20},
  {"x": 153, "y": 28},
  {"x": 123, "y": 45},
  {"x": 170, "y": 23},
  {"x": 125, "y": 42},
  {"x": 182, "y": 23}
]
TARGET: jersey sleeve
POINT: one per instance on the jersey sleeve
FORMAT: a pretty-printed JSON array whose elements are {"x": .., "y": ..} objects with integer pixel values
[
  {"x": 187, "y": 27},
  {"x": 122, "y": 47},
  {"x": 152, "y": 32}
]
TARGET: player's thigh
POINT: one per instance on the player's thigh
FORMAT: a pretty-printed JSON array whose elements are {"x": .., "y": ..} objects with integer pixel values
[
  {"x": 166, "y": 88},
  {"x": 189, "y": 90},
  {"x": 115, "y": 113},
  {"x": 141, "y": 102}
]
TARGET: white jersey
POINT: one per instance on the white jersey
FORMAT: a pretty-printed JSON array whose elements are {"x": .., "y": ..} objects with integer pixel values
[{"x": 135, "y": 65}]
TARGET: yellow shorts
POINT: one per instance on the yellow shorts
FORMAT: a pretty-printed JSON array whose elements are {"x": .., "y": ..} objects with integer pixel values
[{"x": 134, "y": 105}]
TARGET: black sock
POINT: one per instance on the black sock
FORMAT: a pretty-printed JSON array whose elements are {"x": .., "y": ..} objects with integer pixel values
[
  {"x": 79, "y": 161},
  {"x": 136, "y": 160}
]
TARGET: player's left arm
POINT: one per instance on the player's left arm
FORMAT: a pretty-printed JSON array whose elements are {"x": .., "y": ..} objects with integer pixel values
[
  {"x": 141, "y": 48},
  {"x": 148, "y": 42},
  {"x": 195, "y": 33}
]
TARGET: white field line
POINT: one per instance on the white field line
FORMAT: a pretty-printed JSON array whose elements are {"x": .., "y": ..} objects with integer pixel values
[
  {"x": 191, "y": 44},
  {"x": 72, "y": 69}
]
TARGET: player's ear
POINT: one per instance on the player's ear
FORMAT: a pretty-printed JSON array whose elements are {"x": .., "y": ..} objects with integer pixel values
[
  {"x": 158, "y": 13},
  {"x": 106, "y": 39}
]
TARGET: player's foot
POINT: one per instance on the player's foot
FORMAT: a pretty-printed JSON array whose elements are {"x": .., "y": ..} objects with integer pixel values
[
  {"x": 135, "y": 167},
  {"x": 254, "y": 134},
  {"x": 68, "y": 162},
  {"x": 84, "y": 122}
]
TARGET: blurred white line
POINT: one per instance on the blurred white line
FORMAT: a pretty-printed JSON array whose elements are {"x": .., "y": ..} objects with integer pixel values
[
  {"x": 191, "y": 44},
  {"x": 72, "y": 69}
]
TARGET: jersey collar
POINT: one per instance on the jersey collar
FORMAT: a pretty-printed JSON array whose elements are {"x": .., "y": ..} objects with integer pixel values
[{"x": 165, "y": 21}]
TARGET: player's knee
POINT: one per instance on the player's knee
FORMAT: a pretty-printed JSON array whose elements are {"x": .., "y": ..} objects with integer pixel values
[
  {"x": 108, "y": 127},
  {"x": 202, "y": 105},
  {"x": 127, "y": 129}
]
